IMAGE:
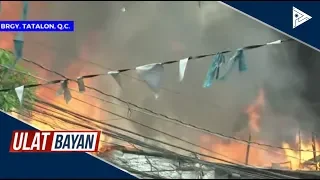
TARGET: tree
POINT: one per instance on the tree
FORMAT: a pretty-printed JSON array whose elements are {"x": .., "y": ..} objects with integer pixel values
[{"x": 12, "y": 79}]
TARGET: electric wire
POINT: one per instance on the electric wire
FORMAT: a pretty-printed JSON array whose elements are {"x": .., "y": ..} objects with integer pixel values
[
  {"x": 202, "y": 129},
  {"x": 112, "y": 133}
]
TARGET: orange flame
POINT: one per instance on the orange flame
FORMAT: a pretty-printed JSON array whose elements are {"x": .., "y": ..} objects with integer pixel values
[
  {"x": 235, "y": 151},
  {"x": 306, "y": 155},
  {"x": 12, "y": 11},
  {"x": 83, "y": 107},
  {"x": 254, "y": 112},
  {"x": 231, "y": 151},
  {"x": 9, "y": 11}
]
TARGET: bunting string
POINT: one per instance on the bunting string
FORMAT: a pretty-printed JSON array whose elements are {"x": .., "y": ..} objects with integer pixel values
[
  {"x": 170, "y": 119},
  {"x": 185, "y": 60},
  {"x": 151, "y": 73}
]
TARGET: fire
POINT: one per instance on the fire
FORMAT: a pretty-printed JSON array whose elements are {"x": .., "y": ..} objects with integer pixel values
[
  {"x": 254, "y": 112},
  {"x": 306, "y": 154},
  {"x": 83, "y": 108},
  {"x": 230, "y": 150},
  {"x": 9, "y": 11},
  {"x": 282, "y": 158},
  {"x": 12, "y": 11},
  {"x": 235, "y": 151}
]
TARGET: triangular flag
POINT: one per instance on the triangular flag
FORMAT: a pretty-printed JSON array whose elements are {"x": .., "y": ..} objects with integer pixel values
[
  {"x": 81, "y": 85},
  {"x": 19, "y": 92},
  {"x": 238, "y": 56},
  {"x": 65, "y": 91},
  {"x": 212, "y": 71},
  {"x": 151, "y": 74},
  {"x": 218, "y": 72},
  {"x": 275, "y": 42},
  {"x": 242, "y": 61},
  {"x": 61, "y": 89},
  {"x": 18, "y": 46},
  {"x": 116, "y": 76},
  {"x": 182, "y": 67},
  {"x": 67, "y": 95},
  {"x": 25, "y": 10}
]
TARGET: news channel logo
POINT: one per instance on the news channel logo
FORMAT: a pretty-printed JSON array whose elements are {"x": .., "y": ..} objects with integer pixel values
[{"x": 37, "y": 26}]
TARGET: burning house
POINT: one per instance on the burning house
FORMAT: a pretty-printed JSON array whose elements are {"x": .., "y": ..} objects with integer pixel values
[{"x": 252, "y": 143}]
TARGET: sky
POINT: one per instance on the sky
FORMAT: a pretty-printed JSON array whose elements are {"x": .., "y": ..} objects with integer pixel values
[{"x": 149, "y": 32}]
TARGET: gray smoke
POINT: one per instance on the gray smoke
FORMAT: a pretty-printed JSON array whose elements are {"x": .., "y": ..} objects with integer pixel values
[{"x": 149, "y": 32}]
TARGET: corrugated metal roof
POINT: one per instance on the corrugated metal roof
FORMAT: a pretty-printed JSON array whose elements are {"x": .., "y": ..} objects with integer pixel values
[{"x": 175, "y": 169}]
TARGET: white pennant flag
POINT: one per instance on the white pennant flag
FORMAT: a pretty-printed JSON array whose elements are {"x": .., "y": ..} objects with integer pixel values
[
  {"x": 19, "y": 91},
  {"x": 81, "y": 85},
  {"x": 274, "y": 42},
  {"x": 151, "y": 74},
  {"x": 116, "y": 76},
  {"x": 182, "y": 67}
]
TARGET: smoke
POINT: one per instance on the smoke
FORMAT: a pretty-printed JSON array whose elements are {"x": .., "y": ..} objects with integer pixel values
[{"x": 149, "y": 32}]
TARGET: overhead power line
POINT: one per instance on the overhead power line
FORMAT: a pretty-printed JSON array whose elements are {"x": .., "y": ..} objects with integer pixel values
[
  {"x": 156, "y": 130},
  {"x": 116, "y": 135},
  {"x": 174, "y": 120}
]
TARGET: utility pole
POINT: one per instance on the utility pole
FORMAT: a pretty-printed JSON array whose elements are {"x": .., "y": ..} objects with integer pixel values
[
  {"x": 248, "y": 149},
  {"x": 314, "y": 148},
  {"x": 300, "y": 150}
]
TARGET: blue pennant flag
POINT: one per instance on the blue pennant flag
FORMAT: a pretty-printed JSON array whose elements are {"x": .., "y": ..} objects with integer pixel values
[
  {"x": 18, "y": 46},
  {"x": 237, "y": 57},
  {"x": 19, "y": 40},
  {"x": 25, "y": 10},
  {"x": 242, "y": 61},
  {"x": 213, "y": 70}
]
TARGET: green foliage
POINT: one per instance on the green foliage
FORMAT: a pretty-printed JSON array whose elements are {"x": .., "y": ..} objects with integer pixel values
[{"x": 12, "y": 79}]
